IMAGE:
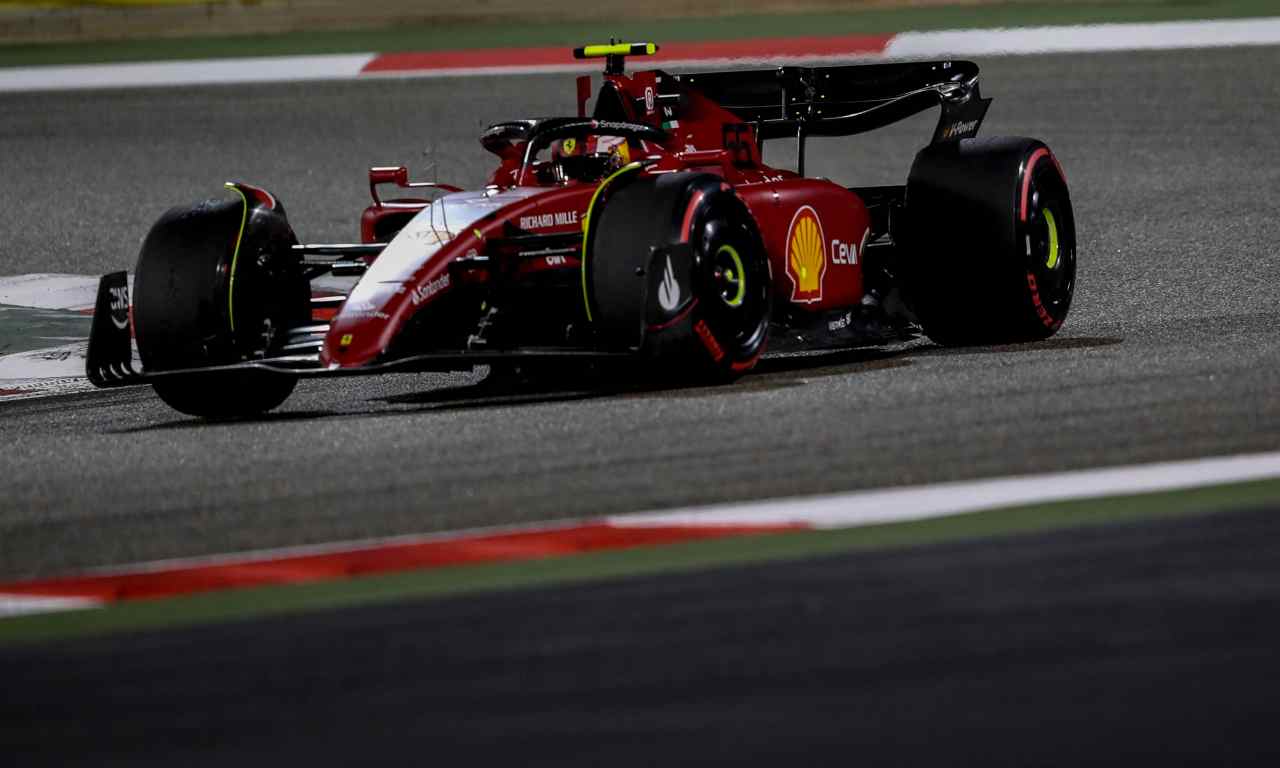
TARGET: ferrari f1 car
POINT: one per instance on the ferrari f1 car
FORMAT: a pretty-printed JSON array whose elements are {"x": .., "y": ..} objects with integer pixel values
[{"x": 646, "y": 230}]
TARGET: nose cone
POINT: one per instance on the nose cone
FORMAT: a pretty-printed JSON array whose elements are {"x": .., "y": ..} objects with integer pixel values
[
  {"x": 363, "y": 326},
  {"x": 411, "y": 272}
]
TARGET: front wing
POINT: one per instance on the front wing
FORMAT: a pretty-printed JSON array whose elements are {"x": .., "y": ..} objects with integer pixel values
[{"x": 109, "y": 362}]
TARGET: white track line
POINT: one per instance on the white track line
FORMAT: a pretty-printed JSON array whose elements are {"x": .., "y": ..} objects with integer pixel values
[
  {"x": 847, "y": 510},
  {"x": 261, "y": 69},
  {"x": 21, "y": 605},
  {"x": 1170, "y": 35}
]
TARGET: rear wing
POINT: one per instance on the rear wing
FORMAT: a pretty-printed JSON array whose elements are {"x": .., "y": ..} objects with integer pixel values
[{"x": 841, "y": 101}]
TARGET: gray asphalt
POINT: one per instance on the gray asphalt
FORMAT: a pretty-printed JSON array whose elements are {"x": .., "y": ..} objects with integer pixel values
[{"x": 1170, "y": 350}]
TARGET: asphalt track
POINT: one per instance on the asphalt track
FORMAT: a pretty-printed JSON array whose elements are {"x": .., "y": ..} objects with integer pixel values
[{"x": 1170, "y": 352}]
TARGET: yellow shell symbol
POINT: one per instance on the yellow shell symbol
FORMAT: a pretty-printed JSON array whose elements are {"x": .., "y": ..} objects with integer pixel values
[{"x": 807, "y": 256}]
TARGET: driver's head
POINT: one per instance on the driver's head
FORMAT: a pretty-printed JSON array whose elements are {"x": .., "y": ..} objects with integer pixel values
[{"x": 614, "y": 146}]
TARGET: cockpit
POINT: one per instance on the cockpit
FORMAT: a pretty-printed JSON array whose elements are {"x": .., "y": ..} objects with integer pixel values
[{"x": 561, "y": 150}]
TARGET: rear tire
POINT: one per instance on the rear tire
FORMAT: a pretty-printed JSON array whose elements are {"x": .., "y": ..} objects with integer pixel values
[
  {"x": 989, "y": 242},
  {"x": 216, "y": 284},
  {"x": 675, "y": 266}
]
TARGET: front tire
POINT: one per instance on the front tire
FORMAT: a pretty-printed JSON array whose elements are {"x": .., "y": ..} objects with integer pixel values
[{"x": 216, "y": 284}]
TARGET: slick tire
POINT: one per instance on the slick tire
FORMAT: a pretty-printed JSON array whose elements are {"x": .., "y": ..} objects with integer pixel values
[
  {"x": 216, "y": 284},
  {"x": 989, "y": 242},
  {"x": 675, "y": 269}
]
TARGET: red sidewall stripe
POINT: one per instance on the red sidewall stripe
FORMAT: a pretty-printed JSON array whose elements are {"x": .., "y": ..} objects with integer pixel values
[
  {"x": 144, "y": 582},
  {"x": 681, "y": 316},
  {"x": 692, "y": 208},
  {"x": 1026, "y": 177}
]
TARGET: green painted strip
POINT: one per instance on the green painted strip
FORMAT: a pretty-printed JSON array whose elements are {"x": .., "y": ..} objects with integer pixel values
[
  {"x": 463, "y": 580},
  {"x": 568, "y": 33}
]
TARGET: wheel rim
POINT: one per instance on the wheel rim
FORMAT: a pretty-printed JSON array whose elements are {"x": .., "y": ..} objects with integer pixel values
[
  {"x": 1049, "y": 236},
  {"x": 730, "y": 275},
  {"x": 732, "y": 284},
  {"x": 1051, "y": 224}
]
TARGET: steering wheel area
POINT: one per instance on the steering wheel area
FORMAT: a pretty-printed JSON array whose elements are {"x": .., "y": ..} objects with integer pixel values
[
  {"x": 562, "y": 150},
  {"x": 582, "y": 158}
]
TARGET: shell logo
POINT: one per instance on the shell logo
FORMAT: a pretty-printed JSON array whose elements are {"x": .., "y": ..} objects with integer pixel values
[{"x": 806, "y": 256}]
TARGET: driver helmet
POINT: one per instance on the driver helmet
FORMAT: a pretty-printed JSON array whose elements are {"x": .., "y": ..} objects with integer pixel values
[{"x": 614, "y": 146}]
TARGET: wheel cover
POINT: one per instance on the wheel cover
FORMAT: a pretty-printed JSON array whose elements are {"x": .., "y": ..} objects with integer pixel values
[
  {"x": 731, "y": 279},
  {"x": 1052, "y": 261},
  {"x": 730, "y": 274}
]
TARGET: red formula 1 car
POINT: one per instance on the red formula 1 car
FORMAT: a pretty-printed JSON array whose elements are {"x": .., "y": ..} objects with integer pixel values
[{"x": 646, "y": 231}]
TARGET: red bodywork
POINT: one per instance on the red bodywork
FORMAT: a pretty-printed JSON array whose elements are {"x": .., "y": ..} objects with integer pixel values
[{"x": 813, "y": 230}]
